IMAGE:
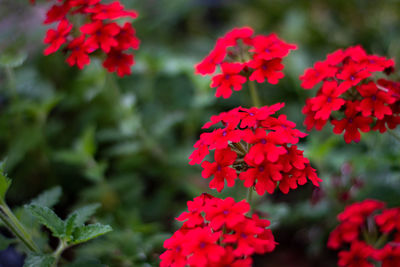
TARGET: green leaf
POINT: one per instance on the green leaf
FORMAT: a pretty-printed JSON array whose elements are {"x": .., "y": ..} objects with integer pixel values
[
  {"x": 85, "y": 233},
  {"x": 83, "y": 214},
  {"x": 39, "y": 260},
  {"x": 70, "y": 226},
  {"x": 5, "y": 183},
  {"x": 48, "y": 198},
  {"x": 48, "y": 218}
]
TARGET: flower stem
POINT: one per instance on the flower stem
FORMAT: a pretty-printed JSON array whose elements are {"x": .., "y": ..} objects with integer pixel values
[
  {"x": 249, "y": 196},
  {"x": 17, "y": 228},
  {"x": 60, "y": 249},
  {"x": 254, "y": 94}
]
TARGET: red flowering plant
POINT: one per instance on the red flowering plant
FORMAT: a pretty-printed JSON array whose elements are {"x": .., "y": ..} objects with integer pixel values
[
  {"x": 100, "y": 34},
  {"x": 242, "y": 56},
  {"x": 371, "y": 232},
  {"x": 256, "y": 147},
  {"x": 252, "y": 145},
  {"x": 216, "y": 232},
  {"x": 351, "y": 97}
]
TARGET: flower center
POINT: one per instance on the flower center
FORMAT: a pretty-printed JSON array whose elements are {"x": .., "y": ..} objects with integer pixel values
[
  {"x": 227, "y": 76},
  {"x": 202, "y": 245},
  {"x": 350, "y": 120},
  {"x": 224, "y": 133},
  {"x": 219, "y": 168},
  {"x": 352, "y": 78},
  {"x": 261, "y": 168},
  {"x": 329, "y": 100},
  {"x": 226, "y": 212},
  {"x": 263, "y": 141},
  {"x": 243, "y": 235},
  {"x": 373, "y": 97}
]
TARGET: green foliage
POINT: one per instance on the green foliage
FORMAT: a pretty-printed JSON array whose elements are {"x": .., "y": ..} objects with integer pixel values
[
  {"x": 48, "y": 198},
  {"x": 87, "y": 232},
  {"x": 39, "y": 260},
  {"x": 48, "y": 218},
  {"x": 5, "y": 183}
]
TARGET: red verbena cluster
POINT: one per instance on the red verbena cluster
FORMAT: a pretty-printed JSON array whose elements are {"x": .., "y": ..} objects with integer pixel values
[
  {"x": 371, "y": 232},
  {"x": 241, "y": 56},
  {"x": 99, "y": 34},
  {"x": 217, "y": 233},
  {"x": 348, "y": 87},
  {"x": 255, "y": 147}
]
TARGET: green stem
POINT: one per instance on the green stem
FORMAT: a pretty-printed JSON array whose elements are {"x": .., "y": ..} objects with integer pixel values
[
  {"x": 382, "y": 240},
  {"x": 249, "y": 197},
  {"x": 254, "y": 94},
  {"x": 394, "y": 134},
  {"x": 17, "y": 228},
  {"x": 60, "y": 249}
]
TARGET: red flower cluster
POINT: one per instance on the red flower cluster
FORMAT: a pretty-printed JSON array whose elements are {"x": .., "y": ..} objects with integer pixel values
[
  {"x": 373, "y": 233},
  {"x": 242, "y": 56},
  {"x": 99, "y": 33},
  {"x": 347, "y": 87},
  {"x": 216, "y": 233},
  {"x": 255, "y": 147}
]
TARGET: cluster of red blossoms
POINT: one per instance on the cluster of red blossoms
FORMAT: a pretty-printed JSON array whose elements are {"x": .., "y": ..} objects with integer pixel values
[
  {"x": 217, "y": 233},
  {"x": 242, "y": 56},
  {"x": 255, "y": 147},
  {"x": 371, "y": 232},
  {"x": 100, "y": 33},
  {"x": 347, "y": 87}
]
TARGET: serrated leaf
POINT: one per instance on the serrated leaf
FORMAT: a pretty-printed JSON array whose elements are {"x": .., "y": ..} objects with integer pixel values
[
  {"x": 39, "y": 260},
  {"x": 5, "y": 183},
  {"x": 85, "y": 233},
  {"x": 48, "y": 198},
  {"x": 83, "y": 214},
  {"x": 48, "y": 218},
  {"x": 70, "y": 225}
]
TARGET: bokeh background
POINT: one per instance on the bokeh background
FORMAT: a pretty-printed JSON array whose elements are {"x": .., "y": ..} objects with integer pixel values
[{"x": 125, "y": 142}]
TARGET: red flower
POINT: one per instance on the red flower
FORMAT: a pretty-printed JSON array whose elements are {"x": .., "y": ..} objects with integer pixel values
[
  {"x": 270, "y": 47},
  {"x": 326, "y": 101},
  {"x": 260, "y": 148},
  {"x": 229, "y": 79},
  {"x": 101, "y": 35},
  {"x": 56, "y": 38},
  {"x": 226, "y": 212},
  {"x": 262, "y": 176},
  {"x": 126, "y": 37},
  {"x": 388, "y": 220},
  {"x": 118, "y": 61},
  {"x": 209, "y": 63},
  {"x": 352, "y": 123},
  {"x": 389, "y": 255},
  {"x": 113, "y": 10},
  {"x": 341, "y": 74},
  {"x": 259, "y": 57},
  {"x": 374, "y": 101},
  {"x": 357, "y": 256},
  {"x": 319, "y": 72},
  {"x": 57, "y": 13},
  {"x": 270, "y": 69},
  {"x": 220, "y": 169},
  {"x": 174, "y": 256},
  {"x": 79, "y": 52}
]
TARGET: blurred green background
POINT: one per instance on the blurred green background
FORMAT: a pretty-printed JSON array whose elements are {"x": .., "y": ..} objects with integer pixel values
[{"x": 125, "y": 142}]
